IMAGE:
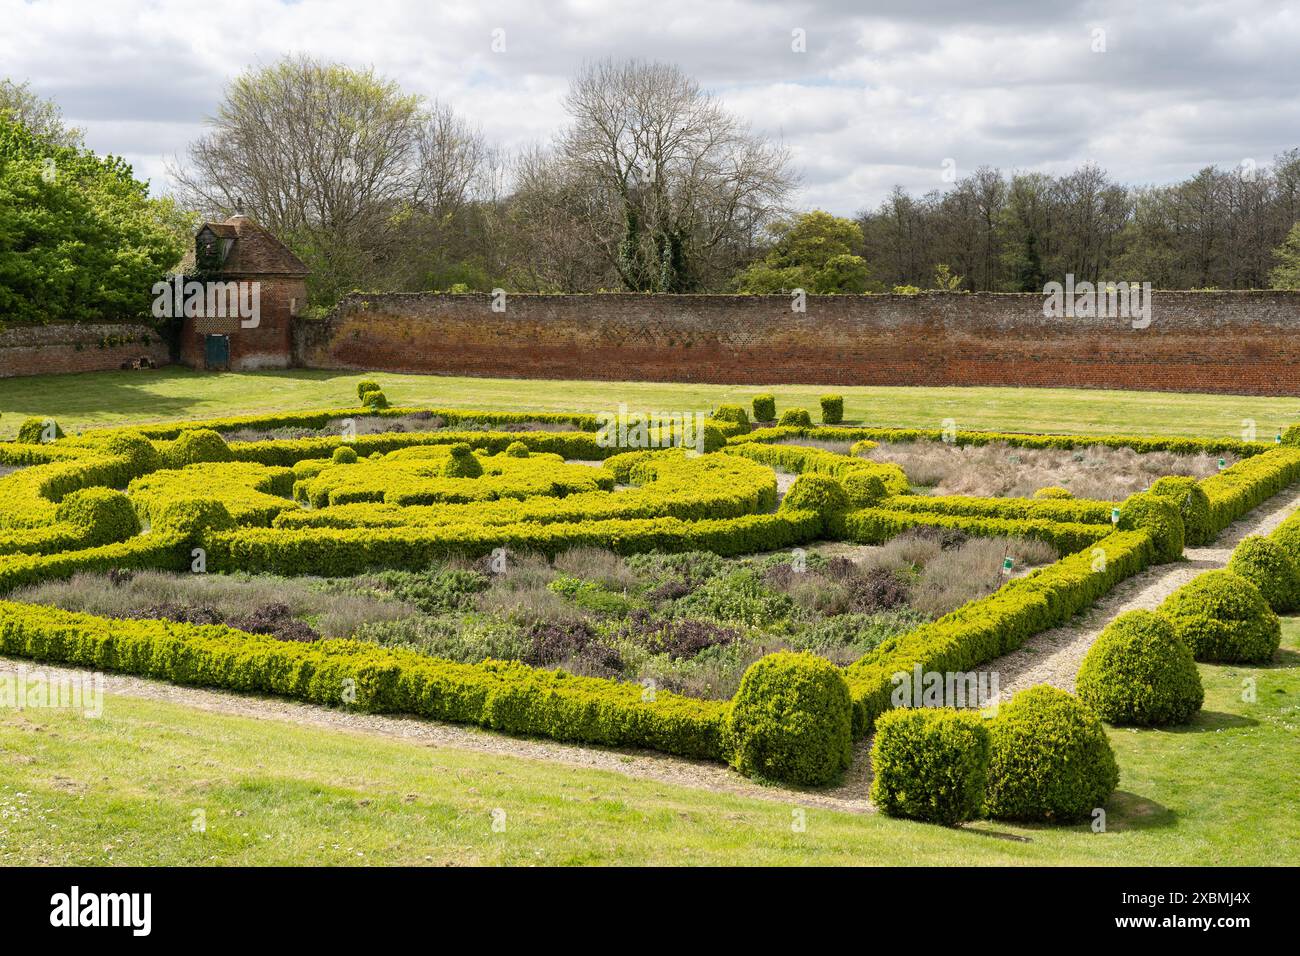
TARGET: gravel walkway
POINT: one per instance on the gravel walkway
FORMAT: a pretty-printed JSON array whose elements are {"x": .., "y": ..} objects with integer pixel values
[
  {"x": 850, "y": 796},
  {"x": 1053, "y": 657}
]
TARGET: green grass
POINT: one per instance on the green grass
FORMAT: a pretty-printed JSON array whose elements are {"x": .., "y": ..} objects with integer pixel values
[
  {"x": 123, "y": 788},
  {"x": 118, "y": 398}
]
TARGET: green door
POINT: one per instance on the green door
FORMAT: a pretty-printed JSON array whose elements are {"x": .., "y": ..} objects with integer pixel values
[{"x": 216, "y": 352}]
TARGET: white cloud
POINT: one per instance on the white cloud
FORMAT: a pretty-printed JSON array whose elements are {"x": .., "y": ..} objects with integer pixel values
[{"x": 879, "y": 98}]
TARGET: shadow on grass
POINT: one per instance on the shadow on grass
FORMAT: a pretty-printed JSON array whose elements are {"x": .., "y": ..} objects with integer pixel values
[
  {"x": 1128, "y": 811},
  {"x": 1207, "y": 721}
]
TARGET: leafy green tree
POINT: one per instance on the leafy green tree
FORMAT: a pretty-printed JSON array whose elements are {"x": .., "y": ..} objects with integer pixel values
[
  {"x": 945, "y": 280},
  {"x": 1287, "y": 273},
  {"x": 79, "y": 236},
  {"x": 816, "y": 253}
]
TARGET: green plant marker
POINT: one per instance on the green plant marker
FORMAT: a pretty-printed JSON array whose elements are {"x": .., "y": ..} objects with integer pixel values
[
  {"x": 1222, "y": 464},
  {"x": 1007, "y": 565},
  {"x": 1114, "y": 516},
  {"x": 1277, "y": 439}
]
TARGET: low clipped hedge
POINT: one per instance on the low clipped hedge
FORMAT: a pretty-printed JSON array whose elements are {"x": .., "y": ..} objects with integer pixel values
[
  {"x": 930, "y": 765},
  {"x": 38, "y": 431},
  {"x": 1268, "y": 565},
  {"x": 1140, "y": 673},
  {"x": 1249, "y": 483},
  {"x": 508, "y": 697},
  {"x": 194, "y": 447},
  {"x": 1223, "y": 618},
  {"x": 791, "y": 720},
  {"x": 1049, "y": 759},
  {"x": 987, "y": 628}
]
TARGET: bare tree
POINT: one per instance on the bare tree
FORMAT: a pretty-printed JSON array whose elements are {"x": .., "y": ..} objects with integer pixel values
[{"x": 673, "y": 185}]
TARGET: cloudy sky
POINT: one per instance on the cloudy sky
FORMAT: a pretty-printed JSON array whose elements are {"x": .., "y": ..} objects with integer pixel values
[{"x": 883, "y": 93}]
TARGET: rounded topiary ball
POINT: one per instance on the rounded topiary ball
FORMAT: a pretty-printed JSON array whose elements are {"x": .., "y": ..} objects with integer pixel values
[
  {"x": 517, "y": 449},
  {"x": 343, "y": 455},
  {"x": 791, "y": 720},
  {"x": 141, "y": 455},
  {"x": 819, "y": 493},
  {"x": 1269, "y": 566},
  {"x": 38, "y": 431},
  {"x": 732, "y": 413},
  {"x": 1222, "y": 617},
  {"x": 104, "y": 514},
  {"x": 1138, "y": 672},
  {"x": 374, "y": 399},
  {"x": 1160, "y": 518},
  {"x": 1049, "y": 759},
  {"x": 1193, "y": 505},
  {"x": 199, "y": 445},
  {"x": 364, "y": 386},
  {"x": 189, "y": 518},
  {"x": 930, "y": 764},
  {"x": 1053, "y": 492},
  {"x": 461, "y": 462},
  {"x": 796, "y": 417},
  {"x": 863, "y": 489}
]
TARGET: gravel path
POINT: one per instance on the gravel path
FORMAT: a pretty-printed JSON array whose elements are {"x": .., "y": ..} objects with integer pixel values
[
  {"x": 850, "y": 796},
  {"x": 1053, "y": 657}
]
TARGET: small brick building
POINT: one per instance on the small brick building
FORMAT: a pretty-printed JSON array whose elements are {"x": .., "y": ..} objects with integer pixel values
[{"x": 239, "y": 250}]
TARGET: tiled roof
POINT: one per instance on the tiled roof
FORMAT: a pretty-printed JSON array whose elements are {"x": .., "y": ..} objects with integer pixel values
[{"x": 254, "y": 252}]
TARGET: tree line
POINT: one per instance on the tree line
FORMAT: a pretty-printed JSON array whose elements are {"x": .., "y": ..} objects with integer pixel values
[{"x": 651, "y": 185}]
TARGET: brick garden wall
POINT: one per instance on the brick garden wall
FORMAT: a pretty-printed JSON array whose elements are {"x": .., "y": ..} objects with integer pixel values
[
  {"x": 77, "y": 347},
  {"x": 1240, "y": 342}
]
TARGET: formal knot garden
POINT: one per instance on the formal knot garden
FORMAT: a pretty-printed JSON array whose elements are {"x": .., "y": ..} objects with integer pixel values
[{"x": 753, "y": 590}]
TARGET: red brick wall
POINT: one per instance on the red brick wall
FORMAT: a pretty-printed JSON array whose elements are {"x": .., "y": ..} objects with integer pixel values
[
  {"x": 77, "y": 347},
  {"x": 1237, "y": 342},
  {"x": 269, "y": 345}
]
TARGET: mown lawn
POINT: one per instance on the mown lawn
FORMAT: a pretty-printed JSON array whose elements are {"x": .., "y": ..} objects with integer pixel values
[
  {"x": 107, "y": 398},
  {"x": 124, "y": 788}
]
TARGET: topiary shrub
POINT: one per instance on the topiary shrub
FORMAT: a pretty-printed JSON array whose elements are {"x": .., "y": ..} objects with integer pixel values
[
  {"x": 863, "y": 490},
  {"x": 1049, "y": 759},
  {"x": 1053, "y": 491},
  {"x": 714, "y": 440},
  {"x": 930, "y": 764},
  {"x": 1222, "y": 617},
  {"x": 461, "y": 463},
  {"x": 140, "y": 453},
  {"x": 517, "y": 449},
  {"x": 193, "y": 447},
  {"x": 187, "y": 519},
  {"x": 1159, "y": 518},
  {"x": 796, "y": 417},
  {"x": 832, "y": 409},
  {"x": 374, "y": 400},
  {"x": 343, "y": 455},
  {"x": 764, "y": 408},
  {"x": 791, "y": 720},
  {"x": 1138, "y": 672},
  {"x": 819, "y": 493},
  {"x": 105, "y": 515},
  {"x": 1193, "y": 505},
  {"x": 38, "y": 431},
  {"x": 364, "y": 386},
  {"x": 732, "y": 413},
  {"x": 1266, "y": 564}
]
